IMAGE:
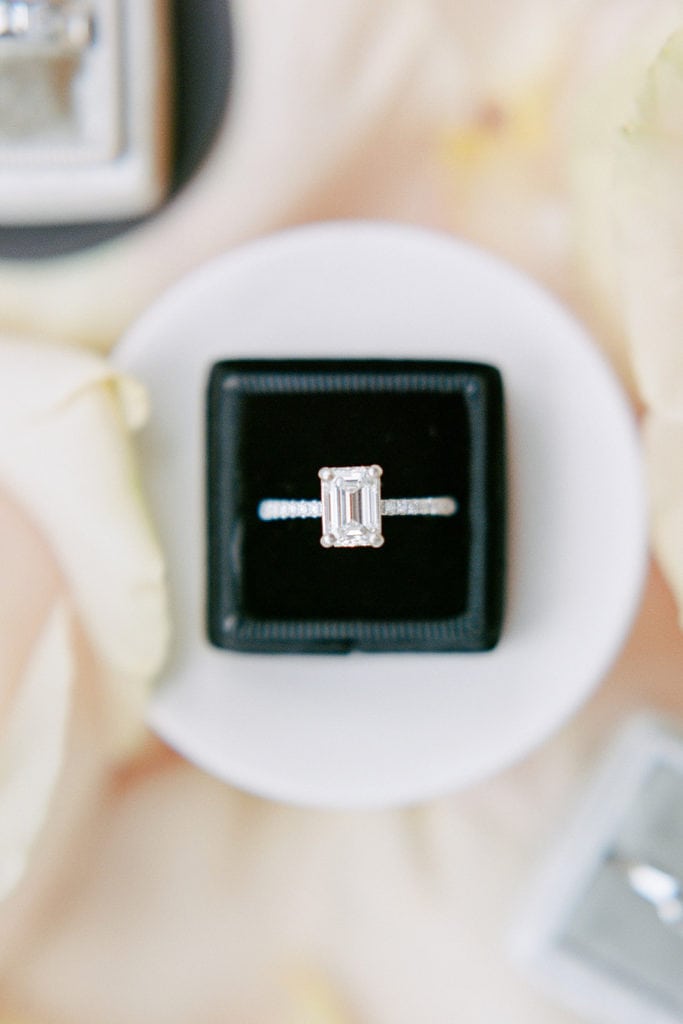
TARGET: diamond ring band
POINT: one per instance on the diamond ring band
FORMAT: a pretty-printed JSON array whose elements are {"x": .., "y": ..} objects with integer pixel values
[{"x": 351, "y": 507}]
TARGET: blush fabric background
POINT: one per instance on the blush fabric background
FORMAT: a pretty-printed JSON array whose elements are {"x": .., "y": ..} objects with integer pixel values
[{"x": 155, "y": 893}]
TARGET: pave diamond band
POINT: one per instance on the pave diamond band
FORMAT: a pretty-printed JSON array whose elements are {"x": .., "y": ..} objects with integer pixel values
[
  {"x": 271, "y": 509},
  {"x": 351, "y": 507},
  {"x": 280, "y": 508},
  {"x": 444, "y": 506}
]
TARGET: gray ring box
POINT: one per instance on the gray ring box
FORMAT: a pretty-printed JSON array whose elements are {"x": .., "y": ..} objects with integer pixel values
[{"x": 583, "y": 932}]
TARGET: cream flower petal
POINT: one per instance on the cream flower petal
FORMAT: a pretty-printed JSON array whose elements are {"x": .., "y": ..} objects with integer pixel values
[
  {"x": 630, "y": 212},
  {"x": 641, "y": 240},
  {"x": 608, "y": 105},
  {"x": 66, "y": 457},
  {"x": 32, "y": 745},
  {"x": 648, "y": 211}
]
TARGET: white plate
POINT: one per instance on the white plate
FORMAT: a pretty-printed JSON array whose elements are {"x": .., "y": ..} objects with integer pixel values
[{"x": 373, "y": 730}]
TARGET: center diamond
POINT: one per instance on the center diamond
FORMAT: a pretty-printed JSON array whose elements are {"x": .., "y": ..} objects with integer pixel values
[{"x": 351, "y": 506}]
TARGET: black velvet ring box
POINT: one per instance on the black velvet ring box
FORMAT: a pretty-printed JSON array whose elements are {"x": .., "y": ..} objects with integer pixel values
[{"x": 435, "y": 428}]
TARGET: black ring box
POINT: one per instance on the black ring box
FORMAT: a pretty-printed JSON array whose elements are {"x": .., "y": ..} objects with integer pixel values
[{"x": 435, "y": 427}]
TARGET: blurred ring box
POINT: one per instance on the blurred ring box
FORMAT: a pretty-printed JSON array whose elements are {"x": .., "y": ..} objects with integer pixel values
[
  {"x": 84, "y": 110},
  {"x": 601, "y": 928}
]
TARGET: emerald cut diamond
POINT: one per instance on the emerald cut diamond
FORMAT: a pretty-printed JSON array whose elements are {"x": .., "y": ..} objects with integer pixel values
[{"x": 351, "y": 506}]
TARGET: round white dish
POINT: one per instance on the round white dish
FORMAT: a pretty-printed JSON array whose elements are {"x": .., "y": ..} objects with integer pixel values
[{"x": 369, "y": 730}]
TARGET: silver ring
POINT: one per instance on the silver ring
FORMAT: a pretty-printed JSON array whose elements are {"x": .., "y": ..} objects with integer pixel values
[
  {"x": 662, "y": 890},
  {"x": 44, "y": 27},
  {"x": 351, "y": 507}
]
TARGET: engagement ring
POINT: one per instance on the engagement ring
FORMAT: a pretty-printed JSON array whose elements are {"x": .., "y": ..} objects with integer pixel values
[{"x": 351, "y": 507}]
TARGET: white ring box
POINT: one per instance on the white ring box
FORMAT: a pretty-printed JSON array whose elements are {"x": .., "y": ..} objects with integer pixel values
[
  {"x": 84, "y": 134},
  {"x": 584, "y": 933}
]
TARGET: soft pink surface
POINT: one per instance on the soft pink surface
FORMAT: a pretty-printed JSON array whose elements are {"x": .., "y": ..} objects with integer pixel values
[
  {"x": 158, "y": 895},
  {"x": 180, "y": 899}
]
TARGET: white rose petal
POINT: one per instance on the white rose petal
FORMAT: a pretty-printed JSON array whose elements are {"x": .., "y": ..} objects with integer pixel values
[
  {"x": 607, "y": 106},
  {"x": 647, "y": 209},
  {"x": 32, "y": 745},
  {"x": 648, "y": 213},
  {"x": 65, "y": 455},
  {"x": 630, "y": 214}
]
